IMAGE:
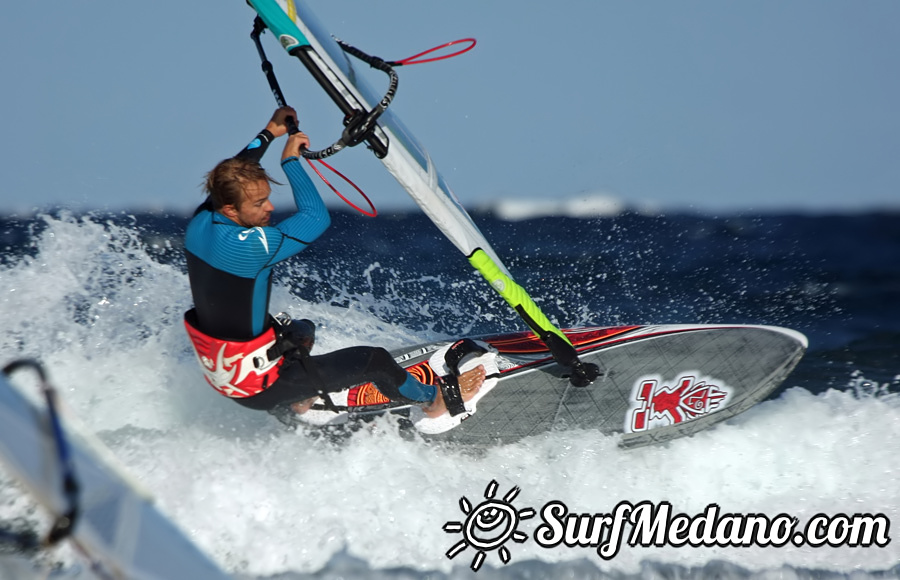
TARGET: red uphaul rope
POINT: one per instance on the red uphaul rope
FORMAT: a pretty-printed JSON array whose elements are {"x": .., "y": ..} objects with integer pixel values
[
  {"x": 373, "y": 213},
  {"x": 415, "y": 59},
  {"x": 412, "y": 59}
]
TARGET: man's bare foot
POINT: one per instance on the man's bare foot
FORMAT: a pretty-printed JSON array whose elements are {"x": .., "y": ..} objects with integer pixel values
[
  {"x": 303, "y": 406},
  {"x": 469, "y": 384}
]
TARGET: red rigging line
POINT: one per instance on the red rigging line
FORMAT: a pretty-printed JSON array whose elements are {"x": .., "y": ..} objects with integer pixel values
[
  {"x": 412, "y": 59},
  {"x": 372, "y": 213}
]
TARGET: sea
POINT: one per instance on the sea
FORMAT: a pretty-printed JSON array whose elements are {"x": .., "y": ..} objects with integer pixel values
[{"x": 98, "y": 298}]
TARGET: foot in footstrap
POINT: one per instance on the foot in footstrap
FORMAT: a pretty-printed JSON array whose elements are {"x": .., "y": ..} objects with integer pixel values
[
  {"x": 460, "y": 350},
  {"x": 453, "y": 399},
  {"x": 468, "y": 371}
]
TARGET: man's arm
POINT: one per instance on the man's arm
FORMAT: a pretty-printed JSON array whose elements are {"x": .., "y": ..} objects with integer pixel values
[
  {"x": 276, "y": 127},
  {"x": 311, "y": 218},
  {"x": 309, "y": 203}
]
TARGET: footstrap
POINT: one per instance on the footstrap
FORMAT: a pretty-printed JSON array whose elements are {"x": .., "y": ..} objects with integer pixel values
[
  {"x": 452, "y": 395},
  {"x": 460, "y": 350}
]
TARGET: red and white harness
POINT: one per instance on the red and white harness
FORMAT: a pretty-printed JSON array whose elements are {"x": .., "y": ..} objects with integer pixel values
[{"x": 236, "y": 369}]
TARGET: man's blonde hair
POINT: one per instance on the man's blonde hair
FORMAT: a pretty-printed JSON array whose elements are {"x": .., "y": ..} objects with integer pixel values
[{"x": 225, "y": 183}]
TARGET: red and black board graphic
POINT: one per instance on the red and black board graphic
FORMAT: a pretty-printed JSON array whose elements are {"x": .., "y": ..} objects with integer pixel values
[{"x": 657, "y": 382}]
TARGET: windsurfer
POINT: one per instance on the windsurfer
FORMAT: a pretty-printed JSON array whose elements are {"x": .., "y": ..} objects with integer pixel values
[{"x": 260, "y": 361}]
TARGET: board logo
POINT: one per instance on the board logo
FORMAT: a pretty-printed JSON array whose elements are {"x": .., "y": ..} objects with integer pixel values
[{"x": 653, "y": 404}]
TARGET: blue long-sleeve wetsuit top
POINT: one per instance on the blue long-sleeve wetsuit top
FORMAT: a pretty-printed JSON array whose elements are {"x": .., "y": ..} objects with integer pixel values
[{"x": 230, "y": 266}]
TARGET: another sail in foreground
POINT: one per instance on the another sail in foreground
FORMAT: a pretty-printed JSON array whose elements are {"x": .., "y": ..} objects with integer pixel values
[{"x": 113, "y": 524}]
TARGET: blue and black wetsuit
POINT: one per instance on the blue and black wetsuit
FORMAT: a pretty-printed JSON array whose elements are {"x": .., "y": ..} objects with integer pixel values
[
  {"x": 230, "y": 269},
  {"x": 230, "y": 266}
]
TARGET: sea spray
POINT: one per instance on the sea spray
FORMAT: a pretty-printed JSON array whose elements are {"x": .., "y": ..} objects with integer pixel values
[{"x": 103, "y": 310}]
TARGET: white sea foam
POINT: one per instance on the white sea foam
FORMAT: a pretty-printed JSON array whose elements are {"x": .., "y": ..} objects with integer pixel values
[
  {"x": 106, "y": 321},
  {"x": 579, "y": 206}
]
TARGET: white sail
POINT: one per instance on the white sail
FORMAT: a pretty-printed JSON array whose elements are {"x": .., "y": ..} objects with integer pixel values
[{"x": 117, "y": 527}]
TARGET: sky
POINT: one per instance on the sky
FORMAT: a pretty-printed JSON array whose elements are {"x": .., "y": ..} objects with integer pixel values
[{"x": 699, "y": 105}]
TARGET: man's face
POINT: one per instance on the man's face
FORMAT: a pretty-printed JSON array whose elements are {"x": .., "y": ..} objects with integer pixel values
[{"x": 256, "y": 208}]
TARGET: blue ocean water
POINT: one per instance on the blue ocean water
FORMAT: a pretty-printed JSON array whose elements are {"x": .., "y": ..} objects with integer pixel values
[{"x": 99, "y": 298}]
